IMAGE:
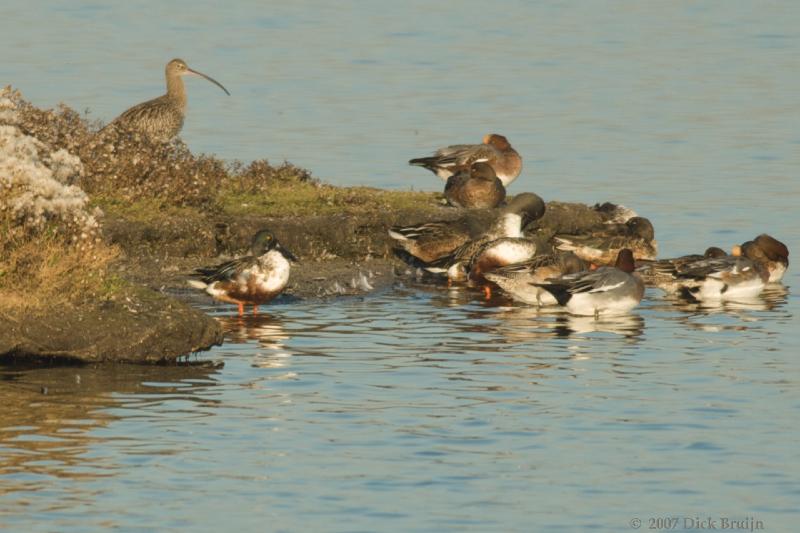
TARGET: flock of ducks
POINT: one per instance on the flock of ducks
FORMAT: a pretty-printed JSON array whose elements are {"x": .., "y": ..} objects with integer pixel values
[{"x": 598, "y": 273}]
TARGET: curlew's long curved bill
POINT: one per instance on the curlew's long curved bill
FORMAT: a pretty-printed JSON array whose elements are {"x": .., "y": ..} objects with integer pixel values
[{"x": 209, "y": 78}]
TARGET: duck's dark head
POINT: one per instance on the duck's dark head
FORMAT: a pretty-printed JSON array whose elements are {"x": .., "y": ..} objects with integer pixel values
[
  {"x": 482, "y": 171},
  {"x": 497, "y": 140},
  {"x": 571, "y": 263},
  {"x": 641, "y": 227},
  {"x": 264, "y": 241},
  {"x": 625, "y": 261},
  {"x": 528, "y": 206},
  {"x": 774, "y": 249},
  {"x": 713, "y": 252}
]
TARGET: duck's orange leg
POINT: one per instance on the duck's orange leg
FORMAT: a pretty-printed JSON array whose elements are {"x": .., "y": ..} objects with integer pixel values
[
  {"x": 241, "y": 309},
  {"x": 255, "y": 309},
  {"x": 487, "y": 290}
]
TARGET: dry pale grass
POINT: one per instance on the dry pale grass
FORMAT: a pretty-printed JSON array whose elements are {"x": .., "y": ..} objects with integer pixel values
[{"x": 47, "y": 270}]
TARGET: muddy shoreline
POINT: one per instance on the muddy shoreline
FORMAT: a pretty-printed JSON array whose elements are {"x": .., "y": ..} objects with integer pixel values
[{"x": 339, "y": 255}]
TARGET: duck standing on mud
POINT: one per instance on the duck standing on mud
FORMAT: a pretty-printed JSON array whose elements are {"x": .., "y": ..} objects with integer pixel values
[
  {"x": 161, "y": 119},
  {"x": 253, "y": 279},
  {"x": 495, "y": 150}
]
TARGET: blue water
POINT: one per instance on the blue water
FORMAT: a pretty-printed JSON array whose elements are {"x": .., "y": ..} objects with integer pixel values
[{"x": 419, "y": 408}]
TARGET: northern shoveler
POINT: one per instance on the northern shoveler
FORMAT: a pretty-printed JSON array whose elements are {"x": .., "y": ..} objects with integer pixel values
[
  {"x": 605, "y": 291},
  {"x": 519, "y": 279},
  {"x": 253, "y": 279},
  {"x": 432, "y": 241},
  {"x": 495, "y": 150},
  {"x": 478, "y": 187},
  {"x": 602, "y": 246}
]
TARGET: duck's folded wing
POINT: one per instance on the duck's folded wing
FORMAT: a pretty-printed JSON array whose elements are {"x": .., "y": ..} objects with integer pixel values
[
  {"x": 424, "y": 231},
  {"x": 705, "y": 267},
  {"x": 225, "y": 271},
  {"x": 528, "y": 266},
  {"x": 464, "y": 154},
  {"x": 600, "y": 280}
]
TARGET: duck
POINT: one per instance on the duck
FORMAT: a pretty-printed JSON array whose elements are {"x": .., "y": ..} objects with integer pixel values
[
  {"x": 432, "y": 241},
  {"x": 523, "y": 209},
  {"x": 475, "y": 259},
  {"x": 614, "y": 213},
  {"x": 252, "y": 279},
  {"x": 658, "y": 273},
  {"x": 601, "y": 247},
  {"x": 606, "y": 291},
  {"x": 475, "y": 188},
  {"x": 728, "y": 277},
  {"x": 519, "y": 280},
  {"x": 495, "y": 150},
  {"x": 161, "y": 119},
  {"x": 769, "y": 252}
]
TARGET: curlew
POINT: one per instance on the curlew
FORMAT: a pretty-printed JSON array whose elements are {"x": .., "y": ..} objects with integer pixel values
[{"x": 160, "y": 119}]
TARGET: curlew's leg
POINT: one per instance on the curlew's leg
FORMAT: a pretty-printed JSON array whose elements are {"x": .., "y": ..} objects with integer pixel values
[{"x": 241, "y": 309}]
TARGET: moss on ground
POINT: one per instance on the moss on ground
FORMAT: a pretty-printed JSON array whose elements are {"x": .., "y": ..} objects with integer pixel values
[{"x": 304, "y": 199}]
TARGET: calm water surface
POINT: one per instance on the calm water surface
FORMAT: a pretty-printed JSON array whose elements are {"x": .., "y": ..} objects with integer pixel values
[{"x": 420, "y": 408}]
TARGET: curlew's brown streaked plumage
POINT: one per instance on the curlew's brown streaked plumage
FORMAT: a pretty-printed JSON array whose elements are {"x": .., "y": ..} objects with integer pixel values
[{"x": 161, "y": 119}]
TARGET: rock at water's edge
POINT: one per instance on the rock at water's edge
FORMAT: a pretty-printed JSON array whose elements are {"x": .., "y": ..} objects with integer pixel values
[{"x": 148, "y": 329}]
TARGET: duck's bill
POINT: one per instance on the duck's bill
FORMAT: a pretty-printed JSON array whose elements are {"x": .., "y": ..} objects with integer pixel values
[
  {"x": 286, "y": 253},
  {"x": 209, "y": 78}
]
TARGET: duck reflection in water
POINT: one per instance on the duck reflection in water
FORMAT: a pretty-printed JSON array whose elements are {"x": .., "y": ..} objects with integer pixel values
[
  {"x": 266, "y": 330},
  {"x": 772, "y": 297},
  {"x": 522, "y": 323}
]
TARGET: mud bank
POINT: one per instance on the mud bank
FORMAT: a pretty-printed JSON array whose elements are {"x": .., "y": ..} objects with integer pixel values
[
  {"x": 339, "y": 254},
  {"x": 150, "y": 328}
]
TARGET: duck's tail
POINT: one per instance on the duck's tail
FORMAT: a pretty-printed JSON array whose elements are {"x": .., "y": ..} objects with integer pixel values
[
  {"x": 431, "y": 163},
  {"x": 197, "y": 284},
  {"x": 559, "y": 292}
]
